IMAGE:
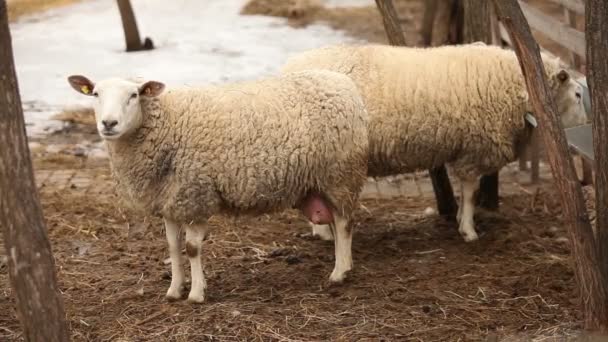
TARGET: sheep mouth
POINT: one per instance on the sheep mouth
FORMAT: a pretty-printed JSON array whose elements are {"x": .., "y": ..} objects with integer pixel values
[{"x": 108, "y": 133}]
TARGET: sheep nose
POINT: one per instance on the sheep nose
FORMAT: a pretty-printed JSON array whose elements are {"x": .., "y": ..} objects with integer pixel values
[{"x": 108, "y": 124}]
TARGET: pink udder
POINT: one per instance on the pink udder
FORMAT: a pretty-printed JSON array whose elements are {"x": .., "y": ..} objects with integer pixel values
[{"x": 316, "y": 210}]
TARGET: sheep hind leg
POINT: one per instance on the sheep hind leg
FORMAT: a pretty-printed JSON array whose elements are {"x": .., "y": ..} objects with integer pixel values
[
  {"x": 323, "y": 231},
  {"x": 459, "y": 213},
  {"x": 195, "y": 234},
  {"x": 343, "y": 244},
  {"x": 467, "y": 224},
  {"x": 172, "y": 230}
]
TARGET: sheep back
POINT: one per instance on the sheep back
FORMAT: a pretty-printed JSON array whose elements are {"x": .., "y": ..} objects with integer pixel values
[{"x": 461, "y": 105}]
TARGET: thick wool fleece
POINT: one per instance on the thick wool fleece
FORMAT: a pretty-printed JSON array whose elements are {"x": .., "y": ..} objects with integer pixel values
[
  {"x": 248, "y": 147},
  {"x": 458, "y": 105}
]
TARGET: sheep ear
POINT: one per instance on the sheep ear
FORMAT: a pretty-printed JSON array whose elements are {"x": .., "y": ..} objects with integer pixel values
[
  {"x": 81, "y": 84},
  {"x": 562, "y": 76},
  {"x": 151, "y": 88}
]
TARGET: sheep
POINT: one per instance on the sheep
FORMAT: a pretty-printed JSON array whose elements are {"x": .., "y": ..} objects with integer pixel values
[
  {"x": 293, "y": 141},
  {"x": 463, "y": 106}
]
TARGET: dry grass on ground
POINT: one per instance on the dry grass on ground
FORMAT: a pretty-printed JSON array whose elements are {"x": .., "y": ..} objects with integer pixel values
[
  {"x": 18, "y": 8},
  {"x": 414, "y": 277},
  {"x": 360, "y": 22}
]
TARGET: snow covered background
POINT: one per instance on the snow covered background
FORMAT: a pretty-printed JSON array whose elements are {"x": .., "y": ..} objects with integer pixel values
[{"x": 197, "y": 42}]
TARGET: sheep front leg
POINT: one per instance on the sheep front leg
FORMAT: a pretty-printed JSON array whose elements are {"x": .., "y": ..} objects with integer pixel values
[
  {"x": 467, "y": 225},
  {"x": 177, "y": 272},
  {"x": 195, "y": 234},
  {"x": 343, "y": 242},
  {"x": 323, "y": 231}
]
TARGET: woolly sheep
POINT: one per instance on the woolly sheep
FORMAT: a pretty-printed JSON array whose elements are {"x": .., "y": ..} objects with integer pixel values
[
  {"x": 463, "y": 106},
  {"x": 294, "y": 141}
]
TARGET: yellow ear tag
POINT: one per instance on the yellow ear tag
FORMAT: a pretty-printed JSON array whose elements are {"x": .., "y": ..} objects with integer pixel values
[{"x": 85, "y": 89}]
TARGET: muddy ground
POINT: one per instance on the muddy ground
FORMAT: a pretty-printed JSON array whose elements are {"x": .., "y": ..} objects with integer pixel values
[{"x": 414, "y": 278}]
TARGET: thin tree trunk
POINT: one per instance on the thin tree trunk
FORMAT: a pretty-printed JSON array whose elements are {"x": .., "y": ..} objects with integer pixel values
[
  {"x": 588, "y": 264},
  {"x": 129, "y": 25},
  {"x": 446, "y": 203},
  {"x": 30, "y": 261},
  {"x": 445, "y": 23},
  {"x": 477, "y": 27},
  {"x": 428, "y": 21},
  {"x": 596, "y": 35}
]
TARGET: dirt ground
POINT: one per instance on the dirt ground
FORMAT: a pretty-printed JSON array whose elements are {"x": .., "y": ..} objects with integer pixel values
[{"x": 414, "y": 279}]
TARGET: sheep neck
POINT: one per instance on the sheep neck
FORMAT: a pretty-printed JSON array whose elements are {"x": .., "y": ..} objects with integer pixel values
[{"x": 143, "y": 162}]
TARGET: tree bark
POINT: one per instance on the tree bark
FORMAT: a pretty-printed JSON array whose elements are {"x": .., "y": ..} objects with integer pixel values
[
  {"x": 477, "y": 27},
  {"x": 129, "y": 25},
  {"x": 596, "y": 35},
  {"x": 444, "y": 194},
  {"x": 30, "y": 261},
  {"x": 428, "y": 21},
  {"x": 391, "y": 22},
  {"x": 588, "y": 269}
]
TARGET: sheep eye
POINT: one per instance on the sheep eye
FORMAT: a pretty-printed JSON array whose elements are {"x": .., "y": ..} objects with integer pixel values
[
  {"x": 578, "y": 95},
  {"x": 96, "y": 94},
  {"x": 133, "y": 96}
]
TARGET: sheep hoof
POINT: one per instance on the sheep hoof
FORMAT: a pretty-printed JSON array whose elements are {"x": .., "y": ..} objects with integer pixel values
[
  {"x": 196, "y": 299},
  {"x": 469, "y": 235},
  {"x": 173, "y": 296},
  {"x": 337, "y": 277}
]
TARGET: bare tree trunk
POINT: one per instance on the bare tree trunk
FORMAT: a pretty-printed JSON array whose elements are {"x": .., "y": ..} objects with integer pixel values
[
  {"x": 596, "y": 35},
  {"x": 477, "y": 27},
  {"x": 428, "y": 21},
  {"x": 445, "y": 26},
  {"x": 129, "y": 25},
  {"x": 391, "y": 22},
  {"x": 444, "y": 194},
  {"x": 588, "y": 265},
  {"x": 30, "y": 261}
]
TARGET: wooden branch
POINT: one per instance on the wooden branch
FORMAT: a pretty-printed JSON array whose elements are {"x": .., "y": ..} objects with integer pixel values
[
  {"x": 557, "y": 31},
  {"x": 30, "y": 261},
  {"x": 587, "y": 270},
  {"x": 596, "y": 32},
  {"x": 444, "y": 194}
]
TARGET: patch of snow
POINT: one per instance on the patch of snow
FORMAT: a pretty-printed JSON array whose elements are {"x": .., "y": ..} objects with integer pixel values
[{"x": 197, "y": 42}]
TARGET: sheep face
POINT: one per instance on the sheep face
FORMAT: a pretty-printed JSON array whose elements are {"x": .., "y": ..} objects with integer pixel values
[
  {"x": 568, "y": 98},
  {"x": 117, "y": 103}
]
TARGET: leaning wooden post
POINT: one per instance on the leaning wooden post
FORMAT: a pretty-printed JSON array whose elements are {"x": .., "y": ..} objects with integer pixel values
[
  {"x": 477, "y": 27},
  {"x": 596, "y": 36},
  {"x": 587, "y": 262},
  {"x": 30, "y": 261},
  {"x": 446, "y": 203}
]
